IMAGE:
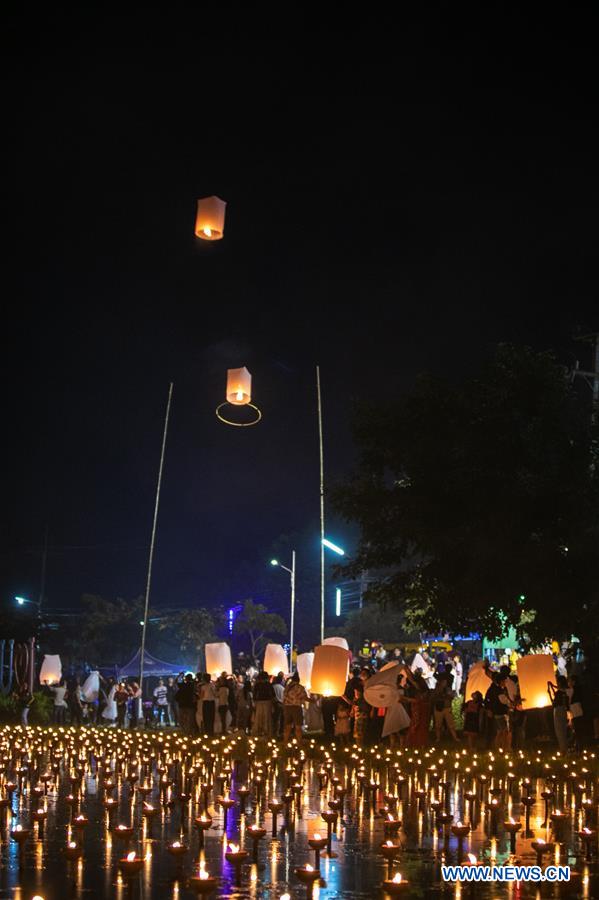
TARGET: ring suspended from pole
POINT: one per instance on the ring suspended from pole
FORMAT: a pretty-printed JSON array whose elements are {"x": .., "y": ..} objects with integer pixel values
[{"x": 238, "y": 424}]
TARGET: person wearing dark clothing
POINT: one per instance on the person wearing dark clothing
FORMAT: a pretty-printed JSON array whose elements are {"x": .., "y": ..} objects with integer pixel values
[
  {"x": 264, "y": 696},
  {"x": 186, "y": 702}
]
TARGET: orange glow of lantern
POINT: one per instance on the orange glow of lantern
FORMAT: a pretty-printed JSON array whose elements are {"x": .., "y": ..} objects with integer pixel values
[
  {"x": 210, "y": 218},
  {"x": 275, "y": 660},
  {"x": 218, "y": 659},
  {"x": 534, "y": 672},
  {"x": 478, "y": 680},
  {"x": 329, "y": 670},
  {"x": 239, "y": 386}
]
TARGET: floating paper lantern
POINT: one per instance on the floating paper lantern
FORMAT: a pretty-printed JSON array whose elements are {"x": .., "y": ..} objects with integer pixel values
[
  {"x": 275, "y": 660},
  {"x": 239, "y": 386},
  {"x": 218, "y": 659},
  {"x": 210, "y": 218},
  {"x": 329, "y": 670},
  {"x": 337, "y": 642},
  {"x": 534, "y": 672},
  {"x": 91, "y": 687},
  {"x": 305, "y": 661},
  {"x": 381, "y": 689},
  {"x": 51, "y": 670},
  {"x": 477, "y": 680}
]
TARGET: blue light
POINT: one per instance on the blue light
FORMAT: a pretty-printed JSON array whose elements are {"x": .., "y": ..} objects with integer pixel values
[
  {"x": 232, "y": 613},
  {"x": 338, "y": 602},
  {"x": 333, "y": 547},
  {"x": 21, "y": 600}
]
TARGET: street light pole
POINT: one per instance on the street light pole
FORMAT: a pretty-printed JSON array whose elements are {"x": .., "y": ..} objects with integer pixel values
[
  {"x": 322, "y": 538},
  {"x": 275, "y": 562}
]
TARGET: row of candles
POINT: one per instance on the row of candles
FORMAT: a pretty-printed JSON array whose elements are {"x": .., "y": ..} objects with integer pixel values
[{"x": 190, "y": 765}]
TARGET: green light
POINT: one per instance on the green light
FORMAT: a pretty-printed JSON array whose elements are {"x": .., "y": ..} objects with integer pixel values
[
  {"x": 274, "y": 562},
  {"x": 522, "y": 597}
]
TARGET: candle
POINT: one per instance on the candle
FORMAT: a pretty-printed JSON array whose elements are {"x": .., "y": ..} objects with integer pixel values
[
  {"x": 396, "y": 885},
  {"x": 203, "y": 883},
  {"x": 131, "y": 864}
]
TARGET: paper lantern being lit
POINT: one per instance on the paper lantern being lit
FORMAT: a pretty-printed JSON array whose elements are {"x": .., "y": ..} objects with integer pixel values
[
  {"x": 534, "y": 672},
  {"x": 380, "y": 690},
  {"x": 91, "y": 687},
  {"x": 478, "y": 680},
  {"x": 275, "y": 660},
  {"x": 304, "y": 663},
  {"x": 218, "y": 659},
  {"x": 239, "y": 386},
  {"x": 329, "y": 670},
  {"x": 337, "y": 642},
  {"x": 51, "y": 670},
  {"x": 210, "y": 218}
]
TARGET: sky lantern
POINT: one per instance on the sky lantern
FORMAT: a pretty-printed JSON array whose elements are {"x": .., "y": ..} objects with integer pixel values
[
  {"x": 239, "y": 386},
  {"x": 534, "y": 672},
  {"x": 381, "y": 689},
  {"x": 304, "y": 663},
  {"x": 210, "y": 218},
  {"x": 51, "y": 670},
  {"x": 329, "y": 670},
  {"x": 238, "y": 393},
  {"x": 275, "y": 660},
  {"x": 478, "y": 680},
  {"x": 218, "y": 659},
  {"x": 337, "y": 642}
]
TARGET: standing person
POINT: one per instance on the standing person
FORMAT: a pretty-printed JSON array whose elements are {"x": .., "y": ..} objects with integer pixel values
[
  {"x": 442, "y": 697},
  {"x": 498, "y": 704},
  {"x": 121, "y": 698},
  {"x": 161, "y": 701},
  {"x": 576, "y": 711},
  {"x": 343, "y": 722},
  {"x": 263, "y": 701},
  {"x": 472, "y": 710},
  {"x": 293, "y": 707},
  {"x": 25, "y": 702},
  {"x": 208, "y": 700},
  {"x": 278, "y": 687},
  {"x": 74, "y": 701},
  {"x": 109, "y": 713},
  {"x": 458, "y": 674},
  {"x": 360, "y": 712},
  {"x": 558, "y": 694},
  {"x": 222, "y": 694},
  {"x": 136, "y": 712},
  {"x": 244, "y": 704},
  {"x": 185, "y": 697},
  {"x": 329, "y": 708},
  {"x": 314, "y": 722},
  {"x": 232, "y": 687},
  {"x": 418, "y": 697},
  {"x": 171, "y": 691}
]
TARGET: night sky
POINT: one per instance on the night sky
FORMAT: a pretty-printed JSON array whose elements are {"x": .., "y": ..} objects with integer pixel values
[{"x": 382, "y": 220}]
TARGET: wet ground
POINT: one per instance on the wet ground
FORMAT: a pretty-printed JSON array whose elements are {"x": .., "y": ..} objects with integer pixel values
[{"x": 356, "y": 869}]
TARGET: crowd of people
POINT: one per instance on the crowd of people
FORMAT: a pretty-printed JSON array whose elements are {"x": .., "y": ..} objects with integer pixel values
[{"x": 429, "y": 704}]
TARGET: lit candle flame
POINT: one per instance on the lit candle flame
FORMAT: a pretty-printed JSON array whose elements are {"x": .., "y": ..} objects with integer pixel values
[
  {"x": 233, "y": 848},
  {"x": 397, "y": 878},
  {"x": 207, "y": 231},
  {"x": 131, "y": 856},
  {"x": 316, "y": 836},
  {"x": 472, "y": 859},
  {"x": 177, "y": 844},
  {"x": 309, "y": 868}
]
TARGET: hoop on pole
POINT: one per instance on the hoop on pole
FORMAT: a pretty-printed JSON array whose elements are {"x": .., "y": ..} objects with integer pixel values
[{"x": 238, "y": 424}]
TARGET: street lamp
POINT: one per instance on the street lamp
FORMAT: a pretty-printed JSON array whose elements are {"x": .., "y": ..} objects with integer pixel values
[
  {"x": 23, "y": 600},
  {"x": 275, "y": 562},
  {"x": 334, "y": 547}
]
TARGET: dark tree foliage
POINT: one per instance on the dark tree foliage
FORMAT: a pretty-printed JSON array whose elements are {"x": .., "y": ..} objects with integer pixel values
[{"x": 473, "y": 496}]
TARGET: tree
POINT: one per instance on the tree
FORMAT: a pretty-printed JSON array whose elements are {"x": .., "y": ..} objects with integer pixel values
[
  {"x": 373, "y": 622},
  {"x": 478, "y": 502},
  {"x": 185, "y": 632},
  {"x": 255, "y": 621},
  {"x": 109, "y": 630}
]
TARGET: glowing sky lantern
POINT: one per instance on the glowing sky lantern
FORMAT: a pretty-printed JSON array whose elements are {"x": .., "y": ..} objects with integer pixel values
[
  {"x": 218, "y": 659},
  {"x": 210, "y": 218},
  {"x": 304, "y": 663},
  {"x": 329, "y": 670},
  {"x": 238, "y": 393},
  {"x": 239, "y": 386},
  {"x": 534, "y": 672},
  {"x": 275, "y": 660},
  {"x": 51, "y": 670},
  {"x": 478, "y": 680}
]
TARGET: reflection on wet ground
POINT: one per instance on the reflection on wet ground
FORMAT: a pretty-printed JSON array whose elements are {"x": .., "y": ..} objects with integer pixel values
[{"x": 160, "y": 786}]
